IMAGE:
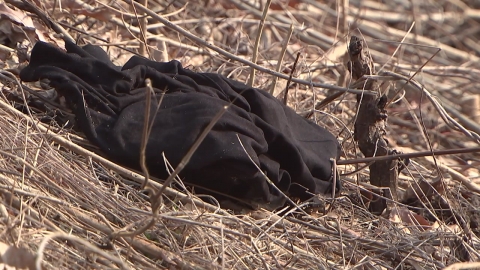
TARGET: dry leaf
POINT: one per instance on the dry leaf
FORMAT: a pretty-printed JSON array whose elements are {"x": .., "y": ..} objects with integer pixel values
[
  {"x": 17, "y": 16},
  {"x": 11, "y": 34},
  {"x": 423, "y": 189},
  {"x": 453, "y": 228},
  {"x": 16, "y": 19},
  {"x": 409, "y": 219}
]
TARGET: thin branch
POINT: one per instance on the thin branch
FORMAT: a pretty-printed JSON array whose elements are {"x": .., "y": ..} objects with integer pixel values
[
  {"x": 145, "y": 132},
  {"x": 257, "y": 41},
  {"x": 285, "y": 97},
  {"x": 280, "y": 59},
  {"x": 411, "y": 155}
]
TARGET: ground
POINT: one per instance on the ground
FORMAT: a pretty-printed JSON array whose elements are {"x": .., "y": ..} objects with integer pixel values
[{"x": 62, "y": 203}]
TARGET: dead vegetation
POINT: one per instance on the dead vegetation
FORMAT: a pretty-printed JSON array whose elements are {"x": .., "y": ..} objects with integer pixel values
[{"x": 61, "y": 202}]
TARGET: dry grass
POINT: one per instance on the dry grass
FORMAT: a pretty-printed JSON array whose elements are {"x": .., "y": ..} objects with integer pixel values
[{"x": 62, "y": 202}]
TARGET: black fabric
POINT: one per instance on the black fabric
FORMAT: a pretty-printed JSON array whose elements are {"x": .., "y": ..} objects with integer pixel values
[{"x": 109, "y": 101}]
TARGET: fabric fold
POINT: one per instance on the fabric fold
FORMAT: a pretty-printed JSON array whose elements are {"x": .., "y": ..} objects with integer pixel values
[{"x": 108, "y": 102}]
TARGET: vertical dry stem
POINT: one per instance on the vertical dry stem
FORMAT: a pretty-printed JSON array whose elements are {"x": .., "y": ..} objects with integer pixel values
[
  {"x": 370, "y": 128},
  {"x": 257, "y": 41}
]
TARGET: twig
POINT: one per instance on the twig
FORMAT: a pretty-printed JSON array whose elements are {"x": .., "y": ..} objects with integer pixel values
[
  {"x": 411, "y": 77},
  {"x": 89, "y": 246},
  {"x": 143, "y": 30},
  {"x": 156, "y": 197},
  {"x": 6, "y": 49},
  {"x": 146, "y": 129},
  {"x": 345, "y": 9},
  {"x": 140, "y": 244},
  {"x": 411, "y": 155},
  {"x": 95, "y": 157},
  {"x": 374, "y": 27},
  {"x": 442, "y": 111},
  {"x": 257, "y": 41},
  {"x": 398, "y": 47},
  {"x": 287, "y": 87},
  {"x": 280, "y": 59},
  {"x": 463, "y": 266}
]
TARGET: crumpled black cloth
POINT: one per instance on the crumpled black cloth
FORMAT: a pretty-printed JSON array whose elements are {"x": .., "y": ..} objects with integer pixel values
[{"x": 108, "y": 102}]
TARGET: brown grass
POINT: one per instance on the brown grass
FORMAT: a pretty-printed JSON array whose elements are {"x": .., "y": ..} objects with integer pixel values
[{"x": 61, "y": 202}]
